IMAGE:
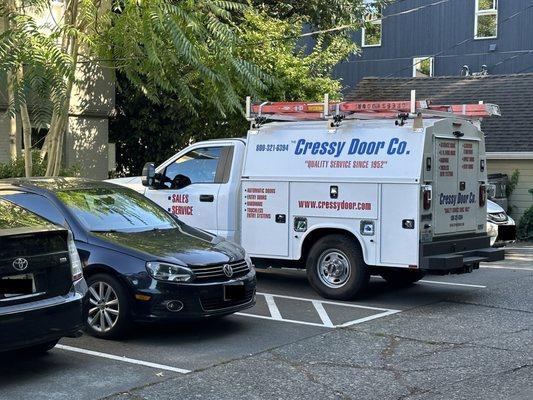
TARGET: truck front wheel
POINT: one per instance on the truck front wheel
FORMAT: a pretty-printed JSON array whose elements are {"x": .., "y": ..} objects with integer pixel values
[{"x": 336, "y": 269}]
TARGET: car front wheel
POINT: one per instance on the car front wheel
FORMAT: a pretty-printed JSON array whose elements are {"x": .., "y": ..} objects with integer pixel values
[{"x": 107, "y": 307}]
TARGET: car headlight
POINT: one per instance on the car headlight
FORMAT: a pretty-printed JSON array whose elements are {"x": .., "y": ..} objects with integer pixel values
[
  {"x": 169, "y": 272},
  {"x": 249, "y": 261},
  {"x": 497, "y": 217}
]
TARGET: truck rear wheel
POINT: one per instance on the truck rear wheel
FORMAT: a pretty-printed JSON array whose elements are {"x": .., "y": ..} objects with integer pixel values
[
  {"x": 402, "y": 277},
  {"x": 336, "y": 269}
]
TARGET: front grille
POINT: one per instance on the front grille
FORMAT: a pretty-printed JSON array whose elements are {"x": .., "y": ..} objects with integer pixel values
[
  {"x": 214, "y": 303},
  {"x": 217, "y": 271}
]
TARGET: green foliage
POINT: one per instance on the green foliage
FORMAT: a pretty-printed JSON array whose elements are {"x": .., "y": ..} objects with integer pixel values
[
  {"x": 30, "y": 52},
  {"x": 525, "y": 225},
  {"x": 15, "y": 169},
  {"x": 299, "y": 74},
  {"x": 320, "y": 14},
  {"x": 185, "y": 49},
  {"x": 513, "y": 181},
  {"x": 147, "y": 131}
]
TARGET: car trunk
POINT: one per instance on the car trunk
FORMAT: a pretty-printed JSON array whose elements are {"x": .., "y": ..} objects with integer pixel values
[{"x": 34, "y": 257}]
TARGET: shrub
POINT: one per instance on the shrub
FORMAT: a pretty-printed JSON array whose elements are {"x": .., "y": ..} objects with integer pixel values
[{"x": 15, "y": 169}]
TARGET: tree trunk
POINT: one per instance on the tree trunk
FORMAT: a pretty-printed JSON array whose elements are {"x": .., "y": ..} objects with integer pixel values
[
  {"x": 70, "y": 45},
  {"x": 13, "y": 154},
  {"x": 26, "y": 131}
]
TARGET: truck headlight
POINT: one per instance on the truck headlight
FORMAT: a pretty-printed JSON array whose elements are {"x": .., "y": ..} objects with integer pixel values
[{"x": 169, "y": 272}]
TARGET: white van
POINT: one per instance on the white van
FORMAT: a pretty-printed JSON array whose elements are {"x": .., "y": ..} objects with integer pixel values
[{"x": 343, "y": 199}]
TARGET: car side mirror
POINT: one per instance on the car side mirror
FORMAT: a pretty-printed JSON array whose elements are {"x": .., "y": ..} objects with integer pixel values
[{"x": 148, "y": 174}]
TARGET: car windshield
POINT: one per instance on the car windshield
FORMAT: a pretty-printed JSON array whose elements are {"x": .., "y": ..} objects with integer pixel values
[{"x": 115, "y": 209}]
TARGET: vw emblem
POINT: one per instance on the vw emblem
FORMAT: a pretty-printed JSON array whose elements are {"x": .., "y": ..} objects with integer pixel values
[
  {"x": 228, "y": 271},
  {"x": 20, "y": 264}
]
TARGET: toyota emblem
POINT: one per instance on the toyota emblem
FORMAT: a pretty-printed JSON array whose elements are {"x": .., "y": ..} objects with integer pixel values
[
  {"x": 228, "y": 271},
  {"x": 20, "y": 264}
]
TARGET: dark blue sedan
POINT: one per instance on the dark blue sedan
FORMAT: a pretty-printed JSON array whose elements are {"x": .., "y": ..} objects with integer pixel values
[{"x": 140, "y": 262}]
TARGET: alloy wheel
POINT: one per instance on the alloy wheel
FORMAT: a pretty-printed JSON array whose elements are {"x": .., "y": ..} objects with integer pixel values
[{"x": 104, "y": 307}]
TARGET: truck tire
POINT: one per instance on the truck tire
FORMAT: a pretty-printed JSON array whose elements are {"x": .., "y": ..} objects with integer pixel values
[
  {"x": 108, "y": 315},
  {"x": 336, "y": 268},
  {"x": 402, "y": 277}
]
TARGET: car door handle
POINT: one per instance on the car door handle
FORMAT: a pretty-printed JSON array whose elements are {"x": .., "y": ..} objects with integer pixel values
[{"x": 208, "y": 198}]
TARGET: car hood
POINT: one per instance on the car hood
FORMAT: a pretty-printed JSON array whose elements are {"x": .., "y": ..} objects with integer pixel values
[
  {"x": 185, "y": 246},
  {"x": 493, "y": 207}
]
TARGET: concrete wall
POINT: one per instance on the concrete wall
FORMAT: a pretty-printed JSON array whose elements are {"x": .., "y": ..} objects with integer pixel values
[
  {"x": 520, "y": 200},
  {"x": 86, "y": 146}
]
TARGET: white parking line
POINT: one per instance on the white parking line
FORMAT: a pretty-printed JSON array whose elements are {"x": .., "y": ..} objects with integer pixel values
[
  {"x": 502, "y": 267},
  {"x": 319, "y": 307},
  {"x": 123, "y": 359},
  {"x": 272, "y": 307},
  {"x": 275, "y": 314},
  {"x": 453, "y": 284}
]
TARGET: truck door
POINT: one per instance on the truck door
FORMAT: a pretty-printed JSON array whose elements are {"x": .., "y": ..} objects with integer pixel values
[
  {"x": 456, "y": 185},
  {"x": 190, "y": 184},
  {"x": 265, "y": 218}
]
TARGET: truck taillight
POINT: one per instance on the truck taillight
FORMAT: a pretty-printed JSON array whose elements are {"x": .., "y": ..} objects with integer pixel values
[
  {"x": 482, "y": 195},
  {"x": 427, "y": 197}
]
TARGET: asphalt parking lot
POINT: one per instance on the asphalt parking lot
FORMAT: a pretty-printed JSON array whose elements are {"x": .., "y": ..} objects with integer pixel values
[{"x": 467, "y": 336}]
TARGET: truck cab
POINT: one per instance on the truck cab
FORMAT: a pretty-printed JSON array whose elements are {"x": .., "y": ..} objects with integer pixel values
[{"x": 344, "y": 199}]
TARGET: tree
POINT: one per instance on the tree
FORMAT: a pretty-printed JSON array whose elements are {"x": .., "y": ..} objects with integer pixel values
[
  {"x": 185, "y": 48},
  {"x": 144, "y": 130}
]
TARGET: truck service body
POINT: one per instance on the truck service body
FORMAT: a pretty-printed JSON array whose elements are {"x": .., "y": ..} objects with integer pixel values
[{"x": 363, "y": 197}]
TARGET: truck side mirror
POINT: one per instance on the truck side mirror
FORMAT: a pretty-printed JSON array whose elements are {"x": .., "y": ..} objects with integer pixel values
[{"x": 148, "y": 174}]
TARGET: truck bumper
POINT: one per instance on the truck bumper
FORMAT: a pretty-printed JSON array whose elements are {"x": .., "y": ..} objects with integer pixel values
[{"x": 459, "y": 255}]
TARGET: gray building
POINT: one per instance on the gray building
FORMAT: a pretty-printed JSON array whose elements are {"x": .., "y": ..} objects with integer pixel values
[{"x": 438, "y": 38}]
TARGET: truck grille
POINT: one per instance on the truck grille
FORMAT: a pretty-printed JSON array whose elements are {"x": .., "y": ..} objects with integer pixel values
[
  {"x": 213, "y": 272},
  {"x": 214, "y": 303}
]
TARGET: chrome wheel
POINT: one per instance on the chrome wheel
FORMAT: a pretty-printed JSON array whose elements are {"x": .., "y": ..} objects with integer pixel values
[
  {"x": 334, "y": 268},
  {"x": 104, "y": 307}
]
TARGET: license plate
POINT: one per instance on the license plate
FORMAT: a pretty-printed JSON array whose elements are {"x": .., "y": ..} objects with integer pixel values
[
  {"x": 17, "y": 285},
  {"x": 234, "y": 292}
]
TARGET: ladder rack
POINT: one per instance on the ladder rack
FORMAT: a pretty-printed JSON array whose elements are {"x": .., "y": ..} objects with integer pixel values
[{"x": 302, "y": 111}]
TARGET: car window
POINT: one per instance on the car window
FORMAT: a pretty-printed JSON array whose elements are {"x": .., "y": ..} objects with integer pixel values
[
  {"x": 13, "y": 216},
  {"x": 40, "y": 205},
  {"x": 196, "y": 166},
  {"x": 115, "y": 209}
]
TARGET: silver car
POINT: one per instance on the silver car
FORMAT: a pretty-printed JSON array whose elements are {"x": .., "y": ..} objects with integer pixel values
[{"x": 500, "y": 226}]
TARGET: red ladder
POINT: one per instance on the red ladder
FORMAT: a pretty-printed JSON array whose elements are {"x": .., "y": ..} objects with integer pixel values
[{"x": 368, "y": 109}]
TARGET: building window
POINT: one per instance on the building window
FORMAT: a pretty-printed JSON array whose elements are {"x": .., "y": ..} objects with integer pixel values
[
  {"x": 423, "y": 66},
  {"x": 486, "y": 22},
  {"x": 371, "y": 32}
]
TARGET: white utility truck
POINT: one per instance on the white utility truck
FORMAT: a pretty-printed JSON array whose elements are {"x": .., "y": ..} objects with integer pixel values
[{"x": 344, "y": 190}]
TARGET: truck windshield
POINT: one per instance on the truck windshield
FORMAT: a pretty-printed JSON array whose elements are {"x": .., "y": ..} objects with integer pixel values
[{"x": 115, "y": 209}]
